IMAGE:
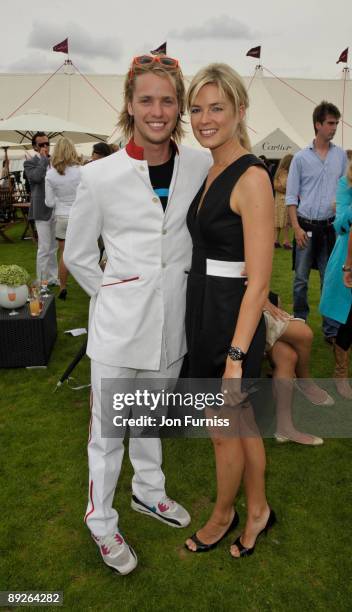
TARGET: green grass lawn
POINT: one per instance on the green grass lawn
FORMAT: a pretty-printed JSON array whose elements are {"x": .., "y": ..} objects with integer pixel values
[{"x": 304, "y": 563}]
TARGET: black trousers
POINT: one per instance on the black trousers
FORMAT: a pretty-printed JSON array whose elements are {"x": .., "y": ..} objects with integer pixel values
[{"x": 344, "y": 335}]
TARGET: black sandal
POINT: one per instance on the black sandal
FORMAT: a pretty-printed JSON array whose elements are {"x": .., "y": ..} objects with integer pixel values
[
  {"x": 201, "y": 547},
  {"x": 246, "y": 552}
]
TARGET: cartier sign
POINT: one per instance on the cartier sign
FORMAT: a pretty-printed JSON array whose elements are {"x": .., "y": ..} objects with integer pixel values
[{"x": 266, "y": 146}]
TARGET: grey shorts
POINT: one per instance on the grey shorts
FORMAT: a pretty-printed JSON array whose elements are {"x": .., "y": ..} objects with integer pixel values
[{"x": 61, "y": 227}]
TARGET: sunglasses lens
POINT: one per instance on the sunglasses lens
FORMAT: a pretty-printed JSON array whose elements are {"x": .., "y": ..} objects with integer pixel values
[
  {"x": 144, "y": 59},
  {"x": 168, "y": 61}
]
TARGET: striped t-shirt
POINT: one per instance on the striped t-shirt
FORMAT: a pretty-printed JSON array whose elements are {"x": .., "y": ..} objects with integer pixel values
[{"x": 160, "y": 178}]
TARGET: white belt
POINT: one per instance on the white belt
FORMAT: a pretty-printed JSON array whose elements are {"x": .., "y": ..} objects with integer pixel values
[{"x": 228, "y": 269}]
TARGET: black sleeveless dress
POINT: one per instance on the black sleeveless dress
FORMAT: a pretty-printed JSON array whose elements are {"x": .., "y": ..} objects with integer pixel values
[{"x": 213, "y": 302}]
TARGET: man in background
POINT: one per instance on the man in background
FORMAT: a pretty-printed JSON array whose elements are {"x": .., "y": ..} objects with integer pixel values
[
  {"x": 35, "y": 169},
  {"x": 310, "y": 196}
]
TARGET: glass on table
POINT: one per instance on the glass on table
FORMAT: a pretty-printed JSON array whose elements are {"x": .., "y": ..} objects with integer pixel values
[
  {"x": 34, "y": 306},
  {"x": 35, "y": 299},
  {"x": 34, "y": 289},
  {"x": 44, "y": 284}
]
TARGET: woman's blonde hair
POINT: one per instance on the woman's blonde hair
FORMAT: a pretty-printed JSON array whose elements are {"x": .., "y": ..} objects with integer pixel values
[
  {"x": 230, "y": 85},
  {"x": 126, "y": 121},
  {"x": 285, "y": 163},
  {"x": 64, "y": 155},
  {"x": 349, "y": 173}
]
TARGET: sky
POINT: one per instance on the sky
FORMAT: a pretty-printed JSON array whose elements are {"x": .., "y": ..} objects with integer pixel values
[{"x": 302, "y": 38}]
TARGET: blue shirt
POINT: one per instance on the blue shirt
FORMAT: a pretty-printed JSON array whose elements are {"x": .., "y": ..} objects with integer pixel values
[{"x": 313, "y": 181}]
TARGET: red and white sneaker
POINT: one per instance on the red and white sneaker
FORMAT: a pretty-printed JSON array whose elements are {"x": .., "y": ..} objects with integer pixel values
[
  {"x": 116, "y": 552},
  {"x": 166, "y": 510}
]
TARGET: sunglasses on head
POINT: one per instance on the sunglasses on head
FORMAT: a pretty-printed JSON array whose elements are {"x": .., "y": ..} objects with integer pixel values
[{"x": 169, "y": 63}]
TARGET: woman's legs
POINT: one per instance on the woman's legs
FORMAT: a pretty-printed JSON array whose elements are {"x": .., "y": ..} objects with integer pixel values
[
  {"x": 254, "y": 482},
  {"x": 300, "y": 337},
  {"x": 63, "y": 272},
  {"x": 277, "y": 236},
  {"x": 342, "y": 353},
  {"x": 285, "y": 361},
  {"x": 229, "y": 462},
  {"x": 235, "y": 457},
  {"x": 229, "y": 469}
]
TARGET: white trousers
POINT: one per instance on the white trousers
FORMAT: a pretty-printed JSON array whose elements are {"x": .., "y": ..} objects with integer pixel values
[
  {"x": 47, "y": 247},
  {"x": 105, "y": 454}
]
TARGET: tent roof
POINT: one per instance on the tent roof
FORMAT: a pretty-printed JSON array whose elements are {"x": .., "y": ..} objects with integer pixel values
[{"x": 273, "y": 104}]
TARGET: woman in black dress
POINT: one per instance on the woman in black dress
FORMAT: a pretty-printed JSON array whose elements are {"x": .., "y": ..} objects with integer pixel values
[{"x": 231, "y": 221}]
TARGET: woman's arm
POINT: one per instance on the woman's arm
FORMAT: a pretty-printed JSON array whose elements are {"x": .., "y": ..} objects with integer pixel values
[
  {"x": 347, "y": 276},
  {"x": 252, "y": 198},
  {"x": 343, "y": 219}
]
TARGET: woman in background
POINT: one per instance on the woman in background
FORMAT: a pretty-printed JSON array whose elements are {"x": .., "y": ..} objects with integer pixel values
[
  {"x": 336, "y": 298},
  {"x": 281, "y": 211},
  {"x": 61, "y": 184}
]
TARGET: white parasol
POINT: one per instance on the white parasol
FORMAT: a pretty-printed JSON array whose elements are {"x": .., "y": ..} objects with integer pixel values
[{"x": 20, "y": 129}]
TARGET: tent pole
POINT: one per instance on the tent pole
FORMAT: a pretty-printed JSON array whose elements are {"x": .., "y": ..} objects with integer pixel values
[{"x": 345, "y": 71}]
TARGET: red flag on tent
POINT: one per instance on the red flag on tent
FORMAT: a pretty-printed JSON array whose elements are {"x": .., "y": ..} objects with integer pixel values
[
  {"x": 254, "y": 52},
  {"x": 343, "y": 57},
  {"x": 61, "y": 47},
  {"x": 160, "y": 49}
]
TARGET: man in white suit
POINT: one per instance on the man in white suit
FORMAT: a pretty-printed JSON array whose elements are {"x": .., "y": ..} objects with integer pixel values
[{"x": 137, "y": 199}]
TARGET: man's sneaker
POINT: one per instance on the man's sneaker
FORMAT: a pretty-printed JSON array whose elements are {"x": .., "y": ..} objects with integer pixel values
[
  {"x": 166, "y": 510},
  {"x": 116, "y": 552}
]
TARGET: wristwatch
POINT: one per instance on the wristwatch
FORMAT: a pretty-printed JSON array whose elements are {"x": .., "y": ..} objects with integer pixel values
[
  {"x": 346, "y": 268},
  {"x": 236, "y": 354}
]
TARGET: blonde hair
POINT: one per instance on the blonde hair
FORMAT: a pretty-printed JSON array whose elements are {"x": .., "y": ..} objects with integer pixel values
[
  {"x": 285, "y": 163},
  {"x": 230, "y": 85},
  {"x": 126, "y": 121},
  {"x": 64, "y": 155},
  {"x": 349, "y": 173}
]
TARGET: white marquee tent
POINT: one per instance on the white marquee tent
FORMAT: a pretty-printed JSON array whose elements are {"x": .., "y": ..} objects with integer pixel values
[{"x": 280, "y": 113}]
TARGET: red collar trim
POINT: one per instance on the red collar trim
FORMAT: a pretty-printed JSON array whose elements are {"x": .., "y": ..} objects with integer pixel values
[{"x": 137, "y": 152}]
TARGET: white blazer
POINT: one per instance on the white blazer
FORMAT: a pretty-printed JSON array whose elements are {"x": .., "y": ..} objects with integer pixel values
[
  {"x": 116, "y": 199},
  {"x": 61, "y": 189}
]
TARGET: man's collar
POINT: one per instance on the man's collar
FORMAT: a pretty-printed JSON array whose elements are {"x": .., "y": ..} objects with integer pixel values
[
  {"x": 312, "y": 144},
  {"x": 137, "y": 152}
]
